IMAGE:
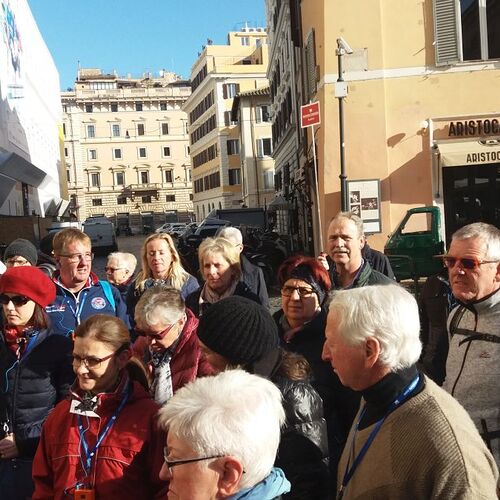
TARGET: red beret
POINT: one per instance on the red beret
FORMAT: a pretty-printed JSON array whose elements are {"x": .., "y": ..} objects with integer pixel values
[{"x": 30, "y": 282}]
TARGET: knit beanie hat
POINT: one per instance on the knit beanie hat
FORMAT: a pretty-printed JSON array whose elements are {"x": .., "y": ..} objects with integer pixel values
[
  {"x": 30, "y": 282},
  {"x": 23, "y": 248},
  {"x": 238, "y": 329}
]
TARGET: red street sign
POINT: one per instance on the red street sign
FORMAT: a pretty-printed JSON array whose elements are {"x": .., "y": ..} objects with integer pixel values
[{"x": 309, "y": 115}]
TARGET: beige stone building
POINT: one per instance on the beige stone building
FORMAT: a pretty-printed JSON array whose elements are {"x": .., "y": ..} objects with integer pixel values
[
  {"x": 421, "y": 116},
  {"x": 251, "y": 110},
  {"x": 127, "y": 149},
  {"x": 218, "y": 75}
]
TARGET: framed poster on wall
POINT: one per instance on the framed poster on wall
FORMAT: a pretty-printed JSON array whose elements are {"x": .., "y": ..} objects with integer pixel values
[{"x": 364, "y": 200}]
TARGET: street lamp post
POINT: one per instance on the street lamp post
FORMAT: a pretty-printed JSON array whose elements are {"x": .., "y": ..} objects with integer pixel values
[{"x": 340, "y": 93}]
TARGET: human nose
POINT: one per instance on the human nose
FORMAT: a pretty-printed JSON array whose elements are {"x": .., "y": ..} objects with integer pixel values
[
  {"x": 80, "y": 367},
  {"x": 325, "y": 354},
  {"x": 295, "y": 294},
  {"x": 165, "y": 472}
]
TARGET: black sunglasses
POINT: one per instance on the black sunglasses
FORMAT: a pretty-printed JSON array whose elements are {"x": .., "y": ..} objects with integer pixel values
[
  {"x": 17, "y": 300},
  {"x": 465, "y": 263}
]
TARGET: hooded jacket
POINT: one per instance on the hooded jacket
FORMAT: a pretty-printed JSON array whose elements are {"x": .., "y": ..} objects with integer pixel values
[{"x": 128, "y": 461}]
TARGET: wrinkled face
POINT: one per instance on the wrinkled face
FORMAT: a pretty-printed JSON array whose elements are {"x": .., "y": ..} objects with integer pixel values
[
  {"x": 217, "y": 272},
  {"x": 192, "y": 481},
  {"x": 344, "y": 243},
  {"x": 217, "y": 362},
  {"x": 471, "y": 285},
  {"x": 300, "y": 306},
  {"x": 116, "y": 272},
  {"x": 159, "y": 258},
  {"x": 16, "y": 261},
  {"x": 18, "y": 316},
  {"x": 104, "y": 375},
  {"x": 347, "y": 361},
  {"x": 75, "y": 264}
]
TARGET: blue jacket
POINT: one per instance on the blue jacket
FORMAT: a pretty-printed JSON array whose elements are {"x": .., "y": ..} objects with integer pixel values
[
  {"x": 69, "y": 310},
  {"x": 270, "y": 488}
]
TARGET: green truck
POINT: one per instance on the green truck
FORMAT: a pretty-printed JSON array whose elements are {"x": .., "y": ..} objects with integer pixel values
[{"x": 413, "y": 247}]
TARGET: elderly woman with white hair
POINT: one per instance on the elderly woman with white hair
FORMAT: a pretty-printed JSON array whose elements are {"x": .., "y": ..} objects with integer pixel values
[
  {"x": 410, "y": 439},
  {"x": 221, "y": 270},
  {"x": 120, "y": 269},
  {"x": 223, "y": 435}
]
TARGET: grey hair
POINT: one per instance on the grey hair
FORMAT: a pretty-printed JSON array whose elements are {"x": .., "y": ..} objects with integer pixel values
[
  {"x": 128, "y": 260},
  {"x": 487, "y": 232},
  {"x": 358, "y": 221},
  {"x": 233, "y": 414},
  {"x": 233, "y": 234},
  {"x": 386, "y": 312},
  {"x": 160, "y": 305}
]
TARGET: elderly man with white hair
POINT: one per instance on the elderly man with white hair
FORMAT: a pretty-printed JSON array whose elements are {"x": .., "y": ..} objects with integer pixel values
[
  {"x": 473, "y": 364},
  {"x": 223, "y": 435},
  {"x": 410, "y": 439},
  {"x": 251, "y": 274}
]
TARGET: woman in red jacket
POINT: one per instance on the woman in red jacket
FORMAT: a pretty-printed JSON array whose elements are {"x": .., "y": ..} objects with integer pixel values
[{"x": 104, "y": 442}]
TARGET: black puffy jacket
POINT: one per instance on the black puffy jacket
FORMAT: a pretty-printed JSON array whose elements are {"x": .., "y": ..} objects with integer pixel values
[
  {"x": 31, "y": 386},
  {"x": 303, "y": 449}
]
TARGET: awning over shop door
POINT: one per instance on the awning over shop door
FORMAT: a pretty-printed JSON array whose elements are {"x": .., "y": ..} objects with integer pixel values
[{"x": 455, "y": 154}]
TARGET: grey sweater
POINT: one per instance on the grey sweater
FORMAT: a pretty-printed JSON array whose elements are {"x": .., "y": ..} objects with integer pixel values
[{"x": 473, "y": 365}]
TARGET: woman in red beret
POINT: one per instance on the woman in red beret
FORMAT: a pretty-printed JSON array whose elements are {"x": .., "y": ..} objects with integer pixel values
[{"x": 36, "y": 373}]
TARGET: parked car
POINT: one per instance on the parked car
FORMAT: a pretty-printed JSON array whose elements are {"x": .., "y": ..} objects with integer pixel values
[
  {"x": 172, "y": 228},
  {"x": 102, "y": 234}
]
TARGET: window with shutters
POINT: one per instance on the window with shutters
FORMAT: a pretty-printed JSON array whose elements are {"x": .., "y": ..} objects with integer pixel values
[
  {"x": 233, "y": 146},
  {"x": 234, "y": 176},
  {"x": 164, "y": 129},
  {"x": 310, "y": 52},
  {"x": 262, "y": 114},
  {"x": 229, "y": 90},
  {"x": 264, "y": 147},
  {"x": 169, "y": 176},
  {"x": 228, "y": 120},
  {"x": 466, "y": 30},
  {"x": 140, "y": 129},
  {"x": 95, "y": 179},
  {"x": 268, "y": 176}
]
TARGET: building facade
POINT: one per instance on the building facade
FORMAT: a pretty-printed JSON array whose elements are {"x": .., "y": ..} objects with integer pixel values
[
  {"x": 251, "y": 110},
  {"x": 218, "y": 75},
  {"x": 294, "y": 175},
  {"x": 420, "y": 115},
  {"x": 126, "y": 148}
]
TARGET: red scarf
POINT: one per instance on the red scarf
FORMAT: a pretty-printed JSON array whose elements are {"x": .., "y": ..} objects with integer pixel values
[{"x": 16, "y": 341}]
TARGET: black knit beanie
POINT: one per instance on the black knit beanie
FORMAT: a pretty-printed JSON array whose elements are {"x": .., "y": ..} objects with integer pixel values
[
  {"x": 238, "y": 329},
  {"x": 23, "y": 248}
]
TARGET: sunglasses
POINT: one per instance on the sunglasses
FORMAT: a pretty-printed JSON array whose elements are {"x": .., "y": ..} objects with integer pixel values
[
  {"x": 465, "y": 263},
  {"x": 17, "y": 300},
  {"x": 156, "y": 336}
]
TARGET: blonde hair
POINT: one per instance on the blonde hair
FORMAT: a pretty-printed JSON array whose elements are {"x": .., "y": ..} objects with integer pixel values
[
  {"x": 210, "y": 246},
  {"x": 69, "y": 235},
  {"x": 176, "y": 274}
]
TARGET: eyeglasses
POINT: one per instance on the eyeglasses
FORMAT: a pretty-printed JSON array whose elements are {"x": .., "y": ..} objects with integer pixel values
[
  {"x": 303, "y": 291},
  {"x": 93, "y": 362},
  {"x": 17, "y": 300},
  {"x": 465, "y": 263},
  {"x": 17, "y": 262},
  {"x": 173, "y": 463},
  {"x": 77, "y": 257},
  {"x": 159, "y": 335},
  {"x": 113, "y": 269}
]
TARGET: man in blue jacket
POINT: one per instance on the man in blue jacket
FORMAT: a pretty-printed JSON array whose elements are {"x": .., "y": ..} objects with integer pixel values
[{"x": 79, "y": 294}]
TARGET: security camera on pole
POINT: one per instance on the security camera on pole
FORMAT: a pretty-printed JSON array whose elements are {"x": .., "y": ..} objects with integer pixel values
[
  {"x": 310, "y": 116},
  {"x": 340, "y": 92}
]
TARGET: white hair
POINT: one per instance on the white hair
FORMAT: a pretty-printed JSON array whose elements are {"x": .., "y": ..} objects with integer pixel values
[
  {"x": 358, "y": 221},
  {"x": 233, "y": 414},
  {"x": 233, "y": 234},
  {"x": 486, "y": 232},
  {"x": 386, "y": 312},
  {"x": 160, "y": 304},
  {"x": 127, "y": 260}
]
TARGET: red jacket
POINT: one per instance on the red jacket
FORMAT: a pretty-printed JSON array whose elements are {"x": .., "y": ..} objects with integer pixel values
[
  {"x": 187, "y": 362},
  {"x": 126, "y": 464}
]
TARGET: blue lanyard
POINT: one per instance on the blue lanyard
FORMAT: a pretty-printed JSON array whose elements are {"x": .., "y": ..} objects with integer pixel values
[
  {"x": 78, "y": 311},
  {"x": 349, "y": 472},
  {"x": 31, "y": 343},
  {"x": 89, "y": 455}
]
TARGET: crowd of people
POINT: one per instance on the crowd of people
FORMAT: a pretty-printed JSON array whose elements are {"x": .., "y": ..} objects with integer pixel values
[{"x": 159, "y": 383}]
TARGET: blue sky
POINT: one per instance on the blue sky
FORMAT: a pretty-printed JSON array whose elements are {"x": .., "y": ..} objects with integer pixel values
[{"x": 135, "y": 36}]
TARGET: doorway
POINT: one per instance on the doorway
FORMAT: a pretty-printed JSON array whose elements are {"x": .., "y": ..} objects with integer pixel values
[{"x": 471, "y": 194}]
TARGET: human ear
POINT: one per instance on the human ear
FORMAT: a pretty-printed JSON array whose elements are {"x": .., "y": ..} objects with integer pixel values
[
  {"x": 229, "y": 476},
  {"x": 124, "y": 357},
  {"x": 372, "y": 351}
]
